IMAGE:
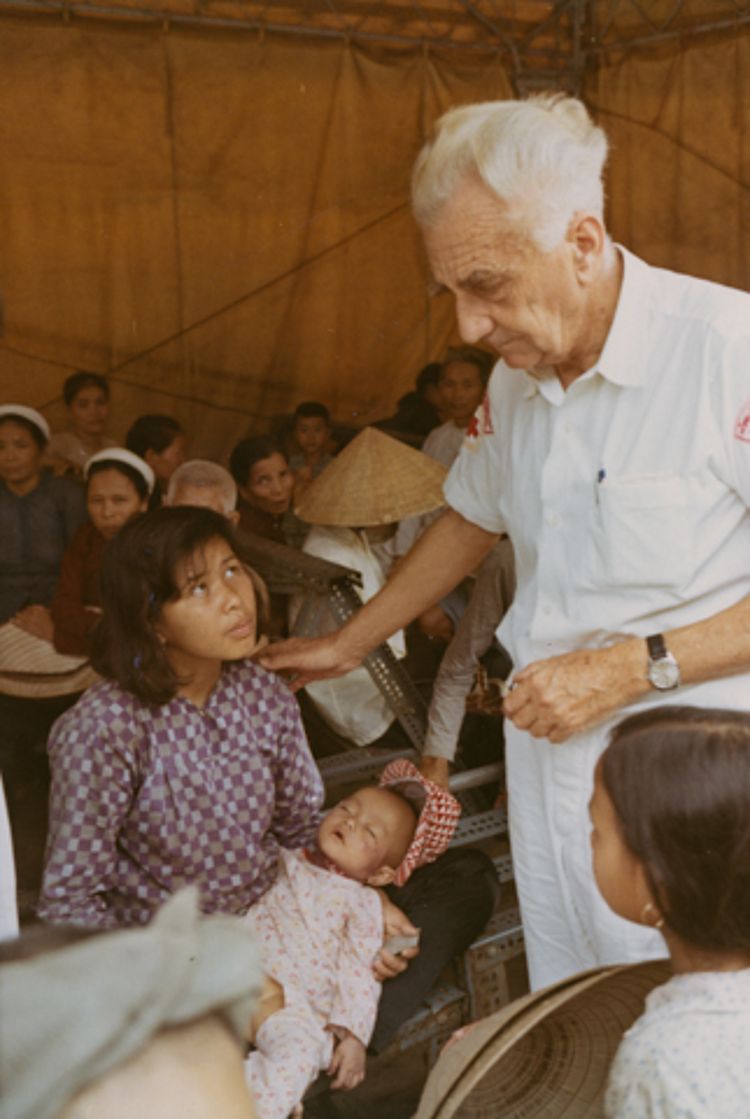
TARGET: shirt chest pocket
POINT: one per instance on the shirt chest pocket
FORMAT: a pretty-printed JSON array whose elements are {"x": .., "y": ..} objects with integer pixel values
[{"x": 642, "y": 530}]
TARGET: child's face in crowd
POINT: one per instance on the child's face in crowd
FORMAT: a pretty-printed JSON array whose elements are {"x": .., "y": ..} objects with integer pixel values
[
  {"x": 112, "y": 499},
  {"x": 312, "y": 434},
  {"x": 367, "y": 834},
  {"x": 20, "y": 455},
  {"x": 269, "y": 487},
  {"x": 89, "y": 410},
  {"x": 214, "y": 617},
  {"x": 461, "y": 391},
  {"x": 164, "y": 463},
  {"x": 619, "y": 874}
]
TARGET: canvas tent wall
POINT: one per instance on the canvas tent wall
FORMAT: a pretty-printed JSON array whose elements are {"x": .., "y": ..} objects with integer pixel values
[{"x": 216, "y": 215}]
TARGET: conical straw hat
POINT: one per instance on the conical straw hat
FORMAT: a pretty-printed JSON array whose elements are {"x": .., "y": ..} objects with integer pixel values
[
  {"x": 546, "y": 1055},
  {"x": 375, "y": 480}
]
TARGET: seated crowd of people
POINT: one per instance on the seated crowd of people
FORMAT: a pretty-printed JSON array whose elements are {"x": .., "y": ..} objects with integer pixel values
[{"x": 187, "y": 765}]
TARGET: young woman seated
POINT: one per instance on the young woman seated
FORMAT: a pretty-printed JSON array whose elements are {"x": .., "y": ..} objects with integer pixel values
[
  {"x": 39, "y": 514},
  {"x": 189, "y": 764},
  {"x": 118, "y": 485},
  {"x": 86, "y": 397}
]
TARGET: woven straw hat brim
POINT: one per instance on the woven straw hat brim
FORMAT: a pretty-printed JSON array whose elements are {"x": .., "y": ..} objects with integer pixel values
[
  {"x": 31, "y": 667},
  {"x": 545, "y": 1056},
  {"x": 375, "y": 480}
]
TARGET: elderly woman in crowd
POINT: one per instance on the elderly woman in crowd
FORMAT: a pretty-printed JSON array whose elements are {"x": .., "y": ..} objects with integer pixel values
[
  {"x": 39, "y": 515},
  {"x": 265, "y": 481}
]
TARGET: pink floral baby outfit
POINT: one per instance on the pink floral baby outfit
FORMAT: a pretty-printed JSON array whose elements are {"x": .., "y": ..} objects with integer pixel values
[{"x": 318, "y": 933}]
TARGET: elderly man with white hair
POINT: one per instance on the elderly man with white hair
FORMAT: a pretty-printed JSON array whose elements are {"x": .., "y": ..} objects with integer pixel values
[
  {"x": 614, "y": 448},
  {"x": 204, "y": 483}
]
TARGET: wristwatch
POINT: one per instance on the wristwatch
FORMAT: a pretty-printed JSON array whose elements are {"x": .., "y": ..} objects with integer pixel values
[{"x": 663, "y": 669}]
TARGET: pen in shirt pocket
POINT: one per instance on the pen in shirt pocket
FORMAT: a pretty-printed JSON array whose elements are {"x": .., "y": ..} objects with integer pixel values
[{"x": 601, "y": 474}]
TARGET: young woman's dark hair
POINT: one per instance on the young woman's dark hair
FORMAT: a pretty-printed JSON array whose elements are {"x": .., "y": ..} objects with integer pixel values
[
  {"x": 249, "y": 451},
  {"x": 429, "y": 375},
  {"x": 138, "y": 577},
  {"x": 679, "y": 779},
  {"x": 128, "y": 472},
  {"x": 312, "y": 409},
  {"x": 35, "y": 432},
  {"x": 153, "y": 432},
  {"x": 482, "y": 361},
  {"x": 83, "y": 380}
]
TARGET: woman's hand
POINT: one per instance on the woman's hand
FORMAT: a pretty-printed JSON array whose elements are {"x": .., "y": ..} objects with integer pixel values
[
  {"x": 387, "y": 965},
  {"x": 36, "y": 620},
  {"x": 347, "y": 1067}
]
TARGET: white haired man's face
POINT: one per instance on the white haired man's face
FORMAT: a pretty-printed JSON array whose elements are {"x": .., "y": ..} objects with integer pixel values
[
  {"x": 207, "y": 497},
  {"x": 529, "y": 306}
]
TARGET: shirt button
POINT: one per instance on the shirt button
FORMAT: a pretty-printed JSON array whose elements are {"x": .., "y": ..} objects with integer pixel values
[
  {"x": 553, "y": 519},
  {"x": 547, "y": 610}
]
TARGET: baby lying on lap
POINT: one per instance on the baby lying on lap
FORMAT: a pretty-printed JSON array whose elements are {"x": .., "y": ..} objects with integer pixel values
[{"x": 320, "y": 926}]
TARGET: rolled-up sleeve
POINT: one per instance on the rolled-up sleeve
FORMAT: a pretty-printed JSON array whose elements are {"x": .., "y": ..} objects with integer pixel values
[{"x": 474, "y": 481}]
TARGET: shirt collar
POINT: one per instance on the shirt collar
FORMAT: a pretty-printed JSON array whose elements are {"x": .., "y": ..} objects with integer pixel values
[{"x": 623, "y": 359}]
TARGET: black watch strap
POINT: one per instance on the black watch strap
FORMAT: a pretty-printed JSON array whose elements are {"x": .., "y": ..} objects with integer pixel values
[{"x": 657, "y": 650}]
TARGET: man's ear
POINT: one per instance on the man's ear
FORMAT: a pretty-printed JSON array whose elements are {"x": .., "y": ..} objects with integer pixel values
[
  {"x": 382, "y": 877},
  {"x": 234, "y": 517},
  {"x": 588, "y": 238}
]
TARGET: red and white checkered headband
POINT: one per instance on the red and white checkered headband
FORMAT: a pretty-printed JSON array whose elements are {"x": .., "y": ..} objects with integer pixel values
[{"x": 437, "y": 809}]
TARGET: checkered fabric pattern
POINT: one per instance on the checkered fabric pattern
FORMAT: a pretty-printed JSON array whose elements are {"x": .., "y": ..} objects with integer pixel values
[
  {"x": 438, "y": 815},
  {"x": 145, "y": 800}
]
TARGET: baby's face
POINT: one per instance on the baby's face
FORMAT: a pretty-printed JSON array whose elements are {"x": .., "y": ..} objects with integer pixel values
[{"x": 366, "y": 831}]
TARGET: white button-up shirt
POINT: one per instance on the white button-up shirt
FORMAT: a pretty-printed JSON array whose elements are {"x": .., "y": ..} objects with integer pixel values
[{"x": 626, "y": 496}]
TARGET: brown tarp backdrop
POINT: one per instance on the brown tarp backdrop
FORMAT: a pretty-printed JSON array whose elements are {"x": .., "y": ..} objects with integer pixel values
[{"x": 220, "y": 221}]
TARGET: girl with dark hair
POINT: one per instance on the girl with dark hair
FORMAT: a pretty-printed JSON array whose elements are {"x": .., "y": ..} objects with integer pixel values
[
  {"x": 160, "y": 441},
  {"x": 39, "y": 515},
  {"x": 86, "y": 397},
  {"x": 189, "y": 762},
  {"x": 118, "y": 486},
  {"x": 671, "y": 849}
]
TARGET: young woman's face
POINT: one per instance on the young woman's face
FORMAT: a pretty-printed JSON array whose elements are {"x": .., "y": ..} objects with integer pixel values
[
  {"x": 20, "y": 456},
  {"x": 269, "y": 487},
  {"x": 461, "y": 391},
  {"x": 214, "y": 617},
  {"x": 112, "y": 499},
  {"x": 619, "y": 874},
  {"x": 89, "y": 410}
]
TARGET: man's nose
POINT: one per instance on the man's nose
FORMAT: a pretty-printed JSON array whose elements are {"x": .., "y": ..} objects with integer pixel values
[{"x": 474, "y": 324}]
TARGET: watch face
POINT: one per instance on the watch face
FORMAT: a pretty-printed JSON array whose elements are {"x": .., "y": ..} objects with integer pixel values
[{"x": 664, "y": 673}]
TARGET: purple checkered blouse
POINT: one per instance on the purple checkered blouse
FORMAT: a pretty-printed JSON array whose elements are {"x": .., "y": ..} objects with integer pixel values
[{"x": 146, "y": 799}]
